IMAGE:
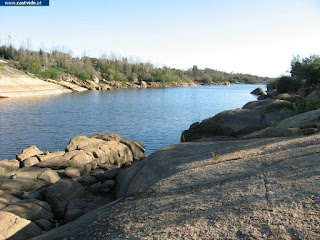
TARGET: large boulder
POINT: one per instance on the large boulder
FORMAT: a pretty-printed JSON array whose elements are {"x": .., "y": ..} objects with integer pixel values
[
  {"x": 100, "y": 149},
  {"x": 274, "y": 117},
  {"x": 258, "y": 91},
  {"x": 61, "y": 193},
  {"x": 29, "y": 162},
  {"x": 104, "y": 150},
  {"x": 31, "y": 209},
  {"x": 143, "y": 84},
  {"x": 74, "y": 158},
  {"x": 271, "y": 132},
  {"x": 286, "y": 96},
  {"x": 79, "y": 171},
  {"x": 107, "y": 186},
  {"x": 15, "y": 228},
  {"x": 7, "y": 166},
  {"x": 48, "y": 156},
  {"x": 252, "y": 117},
  {"x": 302, "y": 124},
  {"x": 136, "y": 148},
  {"x": 44, "y": 224},
  {"x": 76, "y": 143},
  {"x": 95, "y": 79},
  {"x": 80, "y": 158},
  {"x": 72, "y": 215},
  {"x": 28, "y": 179},
  {"x": 55, "y": 162},
  {"x": 314, "y": 95},
  {"x": 228, "y": 123},
  {"x": 7, "y": 199},
  {"x": 116, "y": 153},
  {"x": 303, "y": 120},
  {"x": 29, "y": 152},
  {"x": 269, "y": 105}
]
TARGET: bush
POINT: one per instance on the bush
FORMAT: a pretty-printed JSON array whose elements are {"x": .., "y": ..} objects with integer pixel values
[
  {"x": 286, "y": 84},
  {"x": 304, "y": 105},
  {"x": 306, "y": 68},
  {"x": 52, "y": 73}
]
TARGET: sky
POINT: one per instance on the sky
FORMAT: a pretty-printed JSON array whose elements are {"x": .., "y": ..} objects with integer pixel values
[{"x": 247, "y": 36}]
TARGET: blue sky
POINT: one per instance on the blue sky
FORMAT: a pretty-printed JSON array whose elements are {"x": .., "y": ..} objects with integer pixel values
[{"x": 248, "y": 36}]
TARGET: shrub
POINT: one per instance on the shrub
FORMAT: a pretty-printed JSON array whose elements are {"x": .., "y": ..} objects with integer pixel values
[
  {"x": 305, "y": 105},
  {"x": 52, "y": 73},
  {"x": 287, "y": 84}
]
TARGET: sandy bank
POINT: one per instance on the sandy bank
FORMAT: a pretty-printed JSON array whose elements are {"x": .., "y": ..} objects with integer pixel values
[
  {"x": 27, "y": 86},
  {"x": 15, "y": 83}
]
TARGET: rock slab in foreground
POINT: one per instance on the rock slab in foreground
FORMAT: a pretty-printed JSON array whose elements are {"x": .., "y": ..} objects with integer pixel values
[
  {"x": 240, "y": 189},
  {"x": 15, "y": 228}
]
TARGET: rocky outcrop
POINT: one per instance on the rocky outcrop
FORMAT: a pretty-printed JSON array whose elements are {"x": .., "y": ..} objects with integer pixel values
[
  {"x": 253, "y": 116},
  {"x": 84, "y": 154},
  {"x": 228, "y": 123},
  {"x": 213, "y": 189},
  {"x": 42, "y": 190},
  {"x": 302, "y": 124}
]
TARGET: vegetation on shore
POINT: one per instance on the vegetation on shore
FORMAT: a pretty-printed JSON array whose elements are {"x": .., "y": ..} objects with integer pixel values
[
  {"x": 56, "y": 63},
  {"x": 304, "y": 78},
  {"x": 304, "y": 73}
]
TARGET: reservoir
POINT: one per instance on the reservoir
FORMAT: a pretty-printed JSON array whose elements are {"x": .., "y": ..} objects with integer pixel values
[{"x": 156, "y": 117}]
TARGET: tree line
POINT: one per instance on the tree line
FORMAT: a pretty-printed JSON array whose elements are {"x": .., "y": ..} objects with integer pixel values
[
  {"x": 304, "y": 73},
  {"x": 56, "y": 63}
]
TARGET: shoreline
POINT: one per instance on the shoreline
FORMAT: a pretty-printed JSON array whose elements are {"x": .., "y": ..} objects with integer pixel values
[{"x": 15, "y": 84}]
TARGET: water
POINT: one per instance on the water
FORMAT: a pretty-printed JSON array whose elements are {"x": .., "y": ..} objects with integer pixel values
[{"x": 156, "y": 117}]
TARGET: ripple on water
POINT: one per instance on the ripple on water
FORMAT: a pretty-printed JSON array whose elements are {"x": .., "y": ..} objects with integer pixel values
[{"x": 156, "y": 117}]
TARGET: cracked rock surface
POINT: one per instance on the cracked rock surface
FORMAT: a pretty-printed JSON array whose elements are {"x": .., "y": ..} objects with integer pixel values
[{"x": 266, "y": 188}]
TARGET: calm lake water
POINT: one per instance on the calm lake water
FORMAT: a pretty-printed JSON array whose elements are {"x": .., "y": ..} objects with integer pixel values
[{"x": 156, "y": 117}]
